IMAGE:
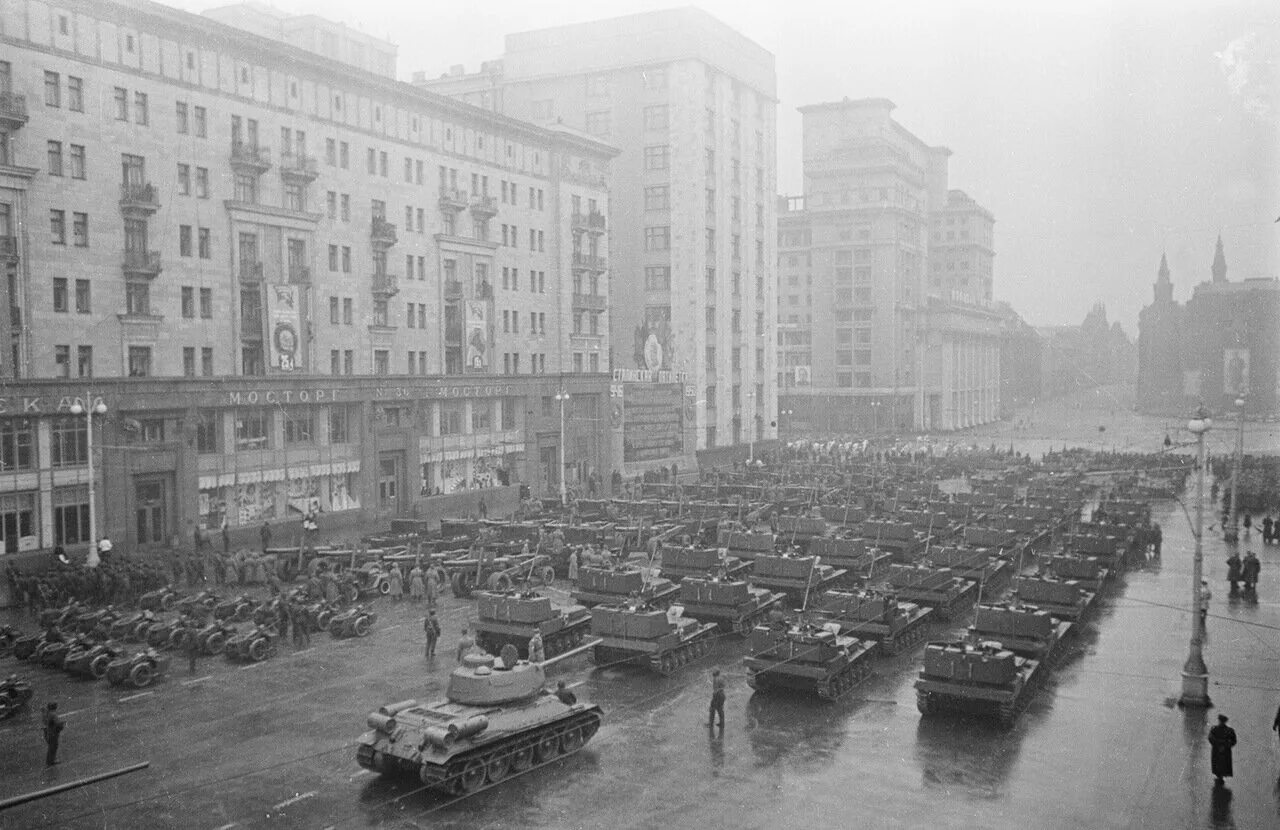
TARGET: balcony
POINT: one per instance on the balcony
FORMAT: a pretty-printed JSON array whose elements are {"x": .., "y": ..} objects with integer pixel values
[
  {"x": 298, "y": 167},
  {"x": 385, "y": 285},
  {"x": 485, "y": 206},
  {"x": 453, "y": 199},
  {"x": 250, "y": 158},
  {"x": 592, "y": 222},
  {"x": 298, "y": 274},
  {"x": 139, "y": 199},
  {"x": 13, "y": 110},
  {"x": 453, "y": 290},
  {"x": 8, "y": 248},
  {"x": 382, "y": 233},
  {"x": 453, "y": 332},
  {"x": 142, "y": 263},
  {"x": 589, "y": 262},
  {"x": 250, "y": 271},
  {"x": 589, "y": 302}
]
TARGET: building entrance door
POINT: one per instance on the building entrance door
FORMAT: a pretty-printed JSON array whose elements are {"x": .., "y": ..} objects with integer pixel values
[
  {"x": 389, "y": 475},
  {"x": 150, "y": 499}
]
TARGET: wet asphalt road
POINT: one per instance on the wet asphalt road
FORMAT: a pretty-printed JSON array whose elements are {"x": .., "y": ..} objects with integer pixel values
[{"x": 1101, "y": 746}]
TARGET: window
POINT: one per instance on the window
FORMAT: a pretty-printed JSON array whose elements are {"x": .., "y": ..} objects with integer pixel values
[
  {"x": 77, "y": 161},
  {"x": 345, "y": 202},
  {"x": 299, "y": 426},
  {"x": 140, "y": 108},
  {"x": 204, "y": 246},
  {"x": 339, "y": 424},
  {"x": 202, "y": 182},
  {"x": 188, "y": 361},
  {"x": 55, "y": 158},
  {"x": 253, "y": 430},
  {"x": 58, "y": 226},
  {"x": 481, "y": 416},
  {"x": 75, "y": 93},
  {"x": 202, "y": 121},
  {"x": 657, "y": 238},
  {"x": 184, "y": 240},
  {"x": 346, "y": 312},
  {"x": 344, "y": 155},
  {"x": 139, "y": 361},
  {"x": 206, "y": 361},
  {"x": 189, "y": 306},
  {"x": 657, "y": 278},
  {"x": 657, "y": 157},
  {"x": 348, "y": 362},
  {"x": 381, "y": 362},
  {"x": 121, "y": 98},
  {"x": 183, "y": 122},
  {"x": 17, "y": 442},
  {"x": 60, "y": 295},
  {"x": 70, "y": 515},
  {"x": 208, "y": 433},
  {"x": 184, "y": 180},
  {"x": 69, "y": 441},
  {"x": 80, "y": 230},
  {"x": 52, "y": 89},
  {"x": 137, "y": 298},
  {"x": 62, "y": 361},
  {"x": 334, "y": 316},
  {"x": 656, "y": 118},
  {"x": 657, "y": 198}
]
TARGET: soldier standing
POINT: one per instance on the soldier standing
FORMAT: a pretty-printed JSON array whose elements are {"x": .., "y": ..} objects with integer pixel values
[
  {"x": 53, "y": 726},
  {"x": 717, "y": 700},
  {"x": 265, "y": 534},
  {"x": 537, "y": 653},
  {"x": 573, "y": 568},
  {"x": 431, "y": 627},
  {"x": 192, "y": 645}
]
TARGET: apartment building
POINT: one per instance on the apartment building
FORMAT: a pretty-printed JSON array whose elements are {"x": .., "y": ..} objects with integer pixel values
[
  {"x": 180, "y": 198},
  {"x": 691, "y": 104},
  {"x": 873, "y": 334}
]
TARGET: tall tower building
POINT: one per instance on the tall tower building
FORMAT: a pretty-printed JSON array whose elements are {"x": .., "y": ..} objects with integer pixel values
[{"x": 691, "y": 105}]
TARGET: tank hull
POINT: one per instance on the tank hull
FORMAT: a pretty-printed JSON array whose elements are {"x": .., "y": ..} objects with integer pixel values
[
  {"x": 660, "y": 598},
  {"x": 828, "y": 670},
  {"x": 558, "y": 635},
  {"x": 737, "y": 618},
  {"x": 663, "y": 655}
]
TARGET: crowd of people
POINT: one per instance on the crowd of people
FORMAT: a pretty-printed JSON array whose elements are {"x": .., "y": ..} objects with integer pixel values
[{"x": 117, "y": 579}]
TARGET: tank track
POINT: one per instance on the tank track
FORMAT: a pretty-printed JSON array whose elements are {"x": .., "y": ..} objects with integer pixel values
[
  {"x": 842, "y": 682},
  {"x": 665, "y": 662},
  {"x": 552, "y": 645},
  {"x": 906, "y": 639},
  {"x": 745, "y": 624},
  {"x": 486, "y": 766}
]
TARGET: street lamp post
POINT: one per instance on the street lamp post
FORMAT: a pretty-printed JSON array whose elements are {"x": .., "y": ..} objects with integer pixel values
[
  {"x": 88, "y": 410},
  {"x": 1231, "y": 533},
  {"x": 751, "y": 428},
  {"x": 562, "y": 396},
  {"x": 1195, "y": 674}
]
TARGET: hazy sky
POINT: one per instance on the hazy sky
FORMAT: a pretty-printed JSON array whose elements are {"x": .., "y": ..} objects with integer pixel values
[{"x": 1099, "y": 133}]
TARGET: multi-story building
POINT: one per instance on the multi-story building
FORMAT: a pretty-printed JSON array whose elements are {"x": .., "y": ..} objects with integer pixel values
[
  {"x": 871, "y": 336},
  {"x": 374, "y": 285},
  {"x": 691, "y": 105}
]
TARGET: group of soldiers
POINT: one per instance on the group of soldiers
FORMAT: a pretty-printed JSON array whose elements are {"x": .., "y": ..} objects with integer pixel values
[{"x": 118, "y": 579}]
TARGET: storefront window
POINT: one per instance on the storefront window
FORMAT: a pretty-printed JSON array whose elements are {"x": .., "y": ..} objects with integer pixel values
[
  {"x": 17, "y": 438},
  {"x": 71, "y": 515},
  {"x": 70, "y": 442},
  {"x": 253, "y": 430},
  {"x": 17, "y": 521}
]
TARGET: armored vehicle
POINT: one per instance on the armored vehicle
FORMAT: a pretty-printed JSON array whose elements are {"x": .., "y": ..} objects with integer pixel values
[
  {"x": 614, "y": 585},
  {"x": 514, "y": 618},
  {"x": 662, "y": 640},
  {"x": 1022, "y": 629},
  {"x": 495, "y": 722},
  {"x": 795, "y": 576},
  {"x": 938, "y": 588},
  {"x": 875, "y": 615},
  {"x": 1091, "y": 572},
  {"x": 807, "y": 657},
  {"x": 862, "y": 564},
  {"x": 679, "y": 562},
  {"x": 734, "y": 605},
  {"x": 1065, "y": 599},
  {"x": 975, "y": 677},
  {"x": 14, "y": 694}
]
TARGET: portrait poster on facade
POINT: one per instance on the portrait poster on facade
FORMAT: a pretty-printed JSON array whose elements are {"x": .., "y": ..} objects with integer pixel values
[
  {"x": 284, "y": 315},
  {"x": 477, "y": 334},
  {"x": 803, "y": 375},
  {"x": 1235, "y": 371}
]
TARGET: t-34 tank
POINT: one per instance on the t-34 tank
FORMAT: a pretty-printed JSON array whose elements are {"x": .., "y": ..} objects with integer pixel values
[
  {"x": 1023, "y": 629},
  {"x": 732, "y": 604},
  {"x": 795, "y": 576},
  {"x": 1063, "y": 598},
  {"x": 938, "y": 588},
  {"x": 975, "y": 677},
  {"x": 679, "y": 562},
  {"x": 807, "y": 657},
  {"x": 514, "y": 617},
  {"x": 495, "y": 722},
  {"x": 875, "y": 615},
  {"x": 610, "y": 586},
  {"x": 636, "y": 633}
]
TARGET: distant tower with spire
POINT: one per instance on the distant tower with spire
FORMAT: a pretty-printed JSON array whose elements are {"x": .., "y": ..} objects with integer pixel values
[
  {"x": 1163, "y": 287},
  {"x": 1219, "y": 263},
  {"x": 1160, "y": 346}
]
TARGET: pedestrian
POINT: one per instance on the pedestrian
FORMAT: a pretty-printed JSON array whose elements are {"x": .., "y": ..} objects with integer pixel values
[
  {"x": 301, "y": 628},
  {"x": 465, "y": 644},
  {"x": 537, "y": 653},
  {"x": 417, "y": 585},
  {"x": 483, "y": 508},
  {"x": 1249, "y": 572},
  {"x": 573, "y": 567},
  {"x": 432, "y": 587},
  {"x": 396, "y": 583},
  {"x": 226, "y": 537},
  {"x": 566, "y": 697},
  {"x": 1205, "y": 596},
  {"x": 53, "y": 726},
  {"x": 717, "y": 700},
  {"x": 265, "y": 534},
  {"x": 431, "y": 627},
  {"x": 1221, "y": 738},
  {"x": 1233, "y": 572},
  {"x": 284, "y": 615},
  {"x": 192, "y": 645},
  {"x": 1267, "y": 524}
]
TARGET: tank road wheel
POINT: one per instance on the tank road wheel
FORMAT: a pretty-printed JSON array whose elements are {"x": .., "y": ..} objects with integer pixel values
[
  {"x": 682, "y": 657},
  {"x": 666, "y": 664},
  {"x": 548, "y": 747},
  {"x": 384, "y": 587},
  {"x": 215, "y": 643},
  {"x": 361, "y": 627},
  {"x": 167, "y": 601},
  {"x": 571, "y": 740},
  {"x": 259, "y": 650},
  {"x": 521, "y": 758},
  {"x": 98, "y": 666},
  {"x": 468, "y": 778},
  {"x": 497, "y": 766},
  {"x": 141, "y": 676},
  {"x": 924, "y": 702}
]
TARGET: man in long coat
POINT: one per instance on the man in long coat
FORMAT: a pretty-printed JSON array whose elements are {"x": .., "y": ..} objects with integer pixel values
[{"x": 1221, "y": 739}]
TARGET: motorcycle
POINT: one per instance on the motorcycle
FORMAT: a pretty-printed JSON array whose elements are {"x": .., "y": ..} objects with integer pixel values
[
  {"x": 26, "y": 646},
  {"x": 238, "y": 608},
  {"x": 100, "y": 620},
  {"x": 205, "y": 599},
  {"x": 62, "y": 617},
  {"x": 353, "y": 622},
  {"x": 92, "y": 661},
  {"x": 161, "y": 599},
  {"x": 267, "y": 612},
  {"x": 255, "y": 645},
  {"x": 138, "y": 669},
  {"x": 162, "y": 634},
  {"x": 14, "y": 694},
  {"x": 133, "y": 627},
  {"x": 54, "y": 655},
  {"x": 213, "y": 638}
]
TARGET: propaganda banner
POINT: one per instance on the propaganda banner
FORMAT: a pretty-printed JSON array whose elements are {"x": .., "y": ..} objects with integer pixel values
[
  {"x": 477, "y": 334},
  {"x": 1235, "y": 371},
  {"x": 284, "y": 318}
]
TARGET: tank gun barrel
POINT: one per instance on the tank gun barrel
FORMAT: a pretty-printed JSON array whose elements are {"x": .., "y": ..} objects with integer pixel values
[{"x": 592, "y": 643}]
